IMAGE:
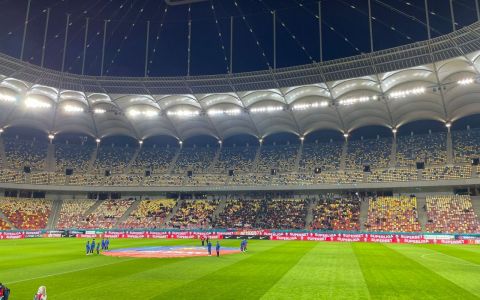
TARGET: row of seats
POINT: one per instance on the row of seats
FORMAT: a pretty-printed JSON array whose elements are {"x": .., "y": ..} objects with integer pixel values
[
  {"x": 451, "y": 214},
  {"x": 333, "y": 213},
  {"x": 282, "y": 214},
  {"x": 394, "y": 214},
  {"x": 26, "y": 213},
  {"x": 149, "y": 214}
]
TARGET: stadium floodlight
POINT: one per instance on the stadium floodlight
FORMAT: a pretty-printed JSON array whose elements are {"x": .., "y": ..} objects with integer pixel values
[
  {"x": 266, "y": 109},
  {"x": 98, "y": 140},
  {"x": 260, "y": 140},
  {"x": 148, "y": 113},
  {"x": 182, "y": 113},
  {"x": 32, "y": 102},
  {"x": 302, "y": 138},
  {"x": 1, "y": 130},
  {"x": 345, "y": 135},
  {"x": 7, "y": 98},
  {"x": 51, "y": 136},
  {"x": 465, "y": 81},
  {"x": 229, "y": 112},
  {"x": 305, "y": 106},
  {"x": 99, "y": 111},
  {"x": 355, "y": 100},
  {"x": 73, "y": 109},
  {"x": 180, "y": 142},
  {"x": 394, "y": 130},
  {"x": 220, "y": 142},
  {"x": 140, "y": 142},
  {"x": 406, "y": 93},
  {"x": 448, "y": 124}
]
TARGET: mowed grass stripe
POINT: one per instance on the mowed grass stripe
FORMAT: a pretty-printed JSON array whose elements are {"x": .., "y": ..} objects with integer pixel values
[
  {"x": 147, "y": 283},
  {"x": 391, "y": 275},
  {"x": 458, "y": 252},
  {"x": 461, "y": 272},
  {"x": 246, "y": 279},
  {"x": 327, "y": 271}
]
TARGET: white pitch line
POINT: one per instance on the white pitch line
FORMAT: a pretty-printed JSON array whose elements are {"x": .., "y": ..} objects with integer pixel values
[
  {"x": 464, "y": 263},
  {"x": 66, "y": 272}
]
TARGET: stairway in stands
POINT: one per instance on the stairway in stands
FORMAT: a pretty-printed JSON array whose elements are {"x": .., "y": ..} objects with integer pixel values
[
  {"x": 174, "y": 211},
  {"x": 93, "y": 207},
  {"x": 132, "y": 160},
  {"x": 4, "y": 218},
  {"x": 50, "y": 160},
  {"x": 343, "y": 158},
  {"x": 174, "y": 161},
  {"x": 363, "y": 214},
  {"x": 220, "y": 208},
  {"x": 255, "y": 160},
  {"x": 421, "y": 211},
  {"x": 449, "y": 147},
  {"x": 215, "y": 160},
  {"x": 3, "y": 155},
  {"x": 476, "y": 205},
  {"x": 127, "y": 213},
  {"x": 92, "y": 160},
  {"x": 393, "y": 154},
  {"x": 309, "y": 217},
  {"x": 299, "y": 157},
  {"x": 54, "y": 214}
]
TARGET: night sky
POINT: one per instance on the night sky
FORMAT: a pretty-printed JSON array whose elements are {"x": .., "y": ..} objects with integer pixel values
[{"x": 345, "y": 32}]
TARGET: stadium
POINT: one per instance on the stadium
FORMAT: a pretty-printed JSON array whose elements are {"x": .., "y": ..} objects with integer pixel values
[{"x": 240, "y": 149}]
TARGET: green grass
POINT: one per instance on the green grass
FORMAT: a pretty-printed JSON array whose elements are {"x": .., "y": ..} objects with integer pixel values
[{"x": 270, "y": 270}]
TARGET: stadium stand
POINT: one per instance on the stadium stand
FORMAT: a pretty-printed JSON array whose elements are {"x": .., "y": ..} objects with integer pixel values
[
  {"x": 372, "y": 152},
  {"x": 22, "y": 152},
  {"x": 26, "y": 213},
  {"x": 72, "y": 156},
  {"x": 72, "y": 214},
  {"x": 282, "y": 214},
  {"x": 106, "y": 214},
  {"x": 239, "y": 159},
  {"x": 4, "y": 225},
  {"x": 447, "y": 172},
  {"x": 238, "y": 213},
  {"x": 451, "y": 214},
  {"x": 149, "y": 214},
  {"x": 336, "y": 213},
  {"x": 280, "y": 157},
  {"x": 391, "y": 175},
  {"x": 465, "y": 145},
  {"x": 429, "y": 148},
  {"x": 196, "y": 159},
  {"x": 155, "y": 159},
  {"x": 322, "y": 155},
  {"x": 113, "y": 158},
  {"x": 194, "y": 214},
  {"x": 393, "y": 214}
]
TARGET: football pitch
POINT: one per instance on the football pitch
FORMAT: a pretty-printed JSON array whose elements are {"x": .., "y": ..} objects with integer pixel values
[{"x": 270, "y": 270}]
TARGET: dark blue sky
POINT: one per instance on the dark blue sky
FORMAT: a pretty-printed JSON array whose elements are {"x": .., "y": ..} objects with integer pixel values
[{"x": 345, "y": 32}]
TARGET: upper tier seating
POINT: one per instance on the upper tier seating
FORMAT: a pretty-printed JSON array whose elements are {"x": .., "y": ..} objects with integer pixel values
[
  {"x": 372, "y": 152},
  {"x": 72, "y": 214},
  {"x": 76, "y": 157},
  {"x": 428, "y": 148},
  {"x": 26, "y": 213},
  {"x": 280, "y": 157},
  {"x": 113, "y": 158},
  {"x": 149, "y": 214},
  {"x": 239, "y": 159},
  {"x": 334, "y": 213},
  {"x": 196, "y": 159},
  {"x": 466, "y": 145},
  {"x": 21, "y": 153},
  {"x": 393, "y": 214},
  {"x": 322, "y": 155},
  {"x": 156, "y": 159},
  {"x": 451, "y": 214}
]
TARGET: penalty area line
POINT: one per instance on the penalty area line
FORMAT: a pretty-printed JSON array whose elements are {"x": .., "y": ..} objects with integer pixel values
[
  {"x": 67, "y": 272},
  {"x": 462, "y": 262}
]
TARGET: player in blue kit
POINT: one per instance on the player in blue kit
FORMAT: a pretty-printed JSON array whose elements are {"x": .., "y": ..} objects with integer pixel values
[
  {"x": 92, "y": 246},
  {"x": 87, "y": 246},
  {"x": 103, "y": 244},
  {"x": 98, "y": 248},
  {"x": 217, "y": 248},
  {"x": 209, "y": 248}
]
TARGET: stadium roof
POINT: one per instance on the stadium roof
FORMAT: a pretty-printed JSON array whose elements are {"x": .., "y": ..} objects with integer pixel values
[{"x": 435, "y": 79}]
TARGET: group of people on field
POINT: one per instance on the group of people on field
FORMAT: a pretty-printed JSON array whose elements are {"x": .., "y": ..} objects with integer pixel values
[
  {"x": 209, "y": 245},
  {"x": 90, "y": 247},
  {"x": 40, "y": 295}
]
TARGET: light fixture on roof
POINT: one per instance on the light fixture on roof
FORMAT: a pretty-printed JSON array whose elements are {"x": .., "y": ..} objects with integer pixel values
[
  {"x": 99, "y": 111},
  {"x": 140, "y": 142},
  {"x": 355, "y": 100},
  {"x": 465, "y": 81},
  {"x": 345, "y": 135},
  {"x": 148, "y": 113},
  {"x": 228, "y": 112},
  {"x": 32, "y": 102},
  {"x": 406, "y": 93},
  {"x": 448, "y": 124},
  {"x": 72, "y": 108},
  {"x": 260, "y": 140},
  {"x": 7, "y": 98},
  {"x": 394, "y": 130},
  {"x": 220, "y": 142},
  {"x": 182, "y": 113},
  {"x": 302, "y": 138},
  {"x": 51, "y": 136},
  {"x": 1, "y": 130},
  {"x": 98, "y": 140},
  {"x": 266, "y": 109},
  {"x": 305, "y": 106}
]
